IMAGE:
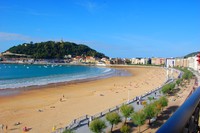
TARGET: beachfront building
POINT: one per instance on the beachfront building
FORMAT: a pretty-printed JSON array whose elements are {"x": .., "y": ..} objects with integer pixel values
[
  {"x": 198, "y": 67},
  {"x": 181, "y": 62},
  {"x": 106, "y": 61},
  {"x": 77, "y": 60},
  {"x": 144, "y": 60},
  {"x": 9, "y": 57},
  {"x": 193, "y": 63},
  {"x": 117, "y": 61},
  {"x": 90, "y": 59},
  {"x": 198, "y": 60},
  {"x": 170, "y": 62},
  {"x": 68, "y": 56},
  {"x": 157, "y": 61},
  {"x": 9, "y": 54},
  {"x": 137, "y": 61},
  {"x": 41, "y": 61},
  {"x": 127, "y": 61},
  {"x": 190, "y": 62}
]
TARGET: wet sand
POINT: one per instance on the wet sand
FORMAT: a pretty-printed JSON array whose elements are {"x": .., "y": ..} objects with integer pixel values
[{"x": 41, "y": 109}]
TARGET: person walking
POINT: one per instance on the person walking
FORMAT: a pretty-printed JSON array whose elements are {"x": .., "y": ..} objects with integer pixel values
[
  {"x": 6, "y": 127},
  {"x": 2, "y": 126},
  {"x": 54, "y": 128}
]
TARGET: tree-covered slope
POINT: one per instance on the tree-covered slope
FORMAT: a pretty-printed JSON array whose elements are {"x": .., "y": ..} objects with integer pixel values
[
  {"x": 191, "y": 54},
  {"x": 52, "y": 50}
]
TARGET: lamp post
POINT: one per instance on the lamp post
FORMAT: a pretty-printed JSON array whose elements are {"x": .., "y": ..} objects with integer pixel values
[
  {"x": 128, "y": 96},
  {"x": 172, "y": 71},
  {"x": 167, "y": 73}
]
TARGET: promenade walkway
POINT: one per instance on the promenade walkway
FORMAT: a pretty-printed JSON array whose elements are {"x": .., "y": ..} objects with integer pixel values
[
  {"x": 197, "y": 75},
  {"x": 80, "y": 125},
  {"x": 84, "y": 126},
  {"x": 187, "y": 113}
]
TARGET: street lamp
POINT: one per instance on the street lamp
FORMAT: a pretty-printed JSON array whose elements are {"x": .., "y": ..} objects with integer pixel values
[
  {"x": 128, "y": 96},
  {"x": 167, "y": 73},
  {"x": 172, "y": 71}
]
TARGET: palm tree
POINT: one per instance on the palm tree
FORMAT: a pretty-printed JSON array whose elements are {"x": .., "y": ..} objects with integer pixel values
[
  {"x": 139, "y": 118},
  {"x": 113, "y": 118},
  {"x": 126, "y": 110},
  {"x": 97, "y": 126}
]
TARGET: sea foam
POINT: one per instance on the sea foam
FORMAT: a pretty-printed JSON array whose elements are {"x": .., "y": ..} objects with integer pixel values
[{"x": 17, "y": 76}]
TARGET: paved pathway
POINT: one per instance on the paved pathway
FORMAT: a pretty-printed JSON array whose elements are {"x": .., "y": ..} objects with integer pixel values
[
  {"x": 81, "y": 125},
  {"x": 197, "y": 75},
  {"x": 84, "y": 126}
]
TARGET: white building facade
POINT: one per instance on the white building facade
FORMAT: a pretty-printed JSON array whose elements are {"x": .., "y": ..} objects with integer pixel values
[{"x": 170, "y": 62}]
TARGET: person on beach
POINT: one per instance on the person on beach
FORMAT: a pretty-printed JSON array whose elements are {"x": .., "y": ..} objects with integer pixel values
[
  {"x": 18, "y": 123},
  {"x": 54, "y": 128},
  {"x": 90, "y": 119},
  {"x": 25, "y": 129},
  {"x": 138, "y": 102},
  {"x": 2, "y": 126}
]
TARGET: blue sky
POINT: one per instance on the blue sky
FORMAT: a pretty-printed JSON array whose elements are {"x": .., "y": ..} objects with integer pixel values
[{"x": 117, "y": 28}]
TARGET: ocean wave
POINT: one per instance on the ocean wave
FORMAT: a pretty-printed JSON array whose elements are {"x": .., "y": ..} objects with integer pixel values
[{"x": 90, "y": 72}]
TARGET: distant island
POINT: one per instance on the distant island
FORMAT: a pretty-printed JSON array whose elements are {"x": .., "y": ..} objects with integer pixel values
[{"x": 54, "y": 50}]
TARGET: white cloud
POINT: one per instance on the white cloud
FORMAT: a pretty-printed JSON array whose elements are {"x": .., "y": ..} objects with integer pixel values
[{"x": 13, "y": 37}]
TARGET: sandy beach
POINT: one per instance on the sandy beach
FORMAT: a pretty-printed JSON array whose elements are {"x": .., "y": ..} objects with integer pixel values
[{"x": 41, "y": 109}]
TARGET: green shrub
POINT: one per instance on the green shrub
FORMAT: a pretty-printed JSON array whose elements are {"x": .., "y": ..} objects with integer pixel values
[
  {"x": 150, "y": 111},
  {"x": 126, "y": 110},
  {"x": 168, "y": 88},
  {"x": 163, "y": 102},
  {"x": 97, "y": 126},
  {"x": 68, "y": 131},
  {"x": 158, "y": 107},
  {"x": 150, "y": 98},
  {"x": 125, "y": 129},
  {"x": 113, "y": 118},
  {"x": 178, "y": 81},
  {"x": 139, "y": 118}
]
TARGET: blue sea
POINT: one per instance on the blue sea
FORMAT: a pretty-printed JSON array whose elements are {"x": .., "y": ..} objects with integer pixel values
[{"x": 20, "y": 75}]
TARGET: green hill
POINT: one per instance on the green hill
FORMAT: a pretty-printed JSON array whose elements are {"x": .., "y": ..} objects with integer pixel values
[
  {"x": 191, "y": 54},
  {"x": 54, "y": 50}
]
